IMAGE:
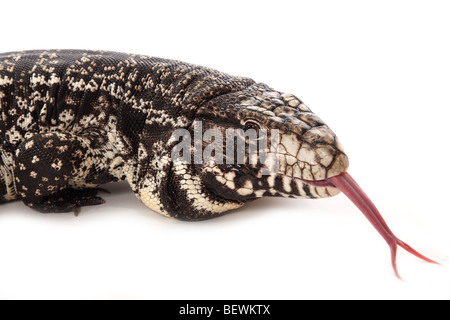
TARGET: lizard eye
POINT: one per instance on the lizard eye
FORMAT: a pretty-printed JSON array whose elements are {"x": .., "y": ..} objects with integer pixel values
[{"x": 251, "y": 125}]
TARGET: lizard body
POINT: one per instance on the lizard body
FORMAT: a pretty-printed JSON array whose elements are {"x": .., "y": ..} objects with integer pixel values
[{"x": 72, "y": 120}]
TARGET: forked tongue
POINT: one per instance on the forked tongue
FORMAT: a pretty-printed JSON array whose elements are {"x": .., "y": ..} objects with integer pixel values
[{"x": 353, "y": 191}]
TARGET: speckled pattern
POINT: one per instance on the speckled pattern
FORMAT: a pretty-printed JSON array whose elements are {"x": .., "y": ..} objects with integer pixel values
[{"x": 73, "y": 120}]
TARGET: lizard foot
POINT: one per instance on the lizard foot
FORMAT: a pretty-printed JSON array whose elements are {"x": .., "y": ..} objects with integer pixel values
[{"x": 69, "y": 200}]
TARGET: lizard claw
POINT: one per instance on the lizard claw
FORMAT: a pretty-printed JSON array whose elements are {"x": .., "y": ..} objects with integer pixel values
[{"x": 69, "y": 200}]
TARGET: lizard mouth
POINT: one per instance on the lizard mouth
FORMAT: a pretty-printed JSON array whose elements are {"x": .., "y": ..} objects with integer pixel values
[
  {"x": 320, "y": 183},
  {"x": 345, "y": 183}
]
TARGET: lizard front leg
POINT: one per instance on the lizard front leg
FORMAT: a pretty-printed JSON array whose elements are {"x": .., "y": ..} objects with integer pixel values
[{"x": 50, "y": 171}]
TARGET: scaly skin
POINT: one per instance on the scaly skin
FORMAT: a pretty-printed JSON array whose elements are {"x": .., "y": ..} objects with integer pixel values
[{"x": 72, "y": 120}]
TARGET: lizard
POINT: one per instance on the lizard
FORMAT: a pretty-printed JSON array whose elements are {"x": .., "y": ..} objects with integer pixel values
[{"x": 73, "y": 120}]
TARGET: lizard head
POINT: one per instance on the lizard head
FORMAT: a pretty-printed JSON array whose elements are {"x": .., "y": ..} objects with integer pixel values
[
  {"x": 299, "y": 157},
  {"x": 294, "y": 152}
]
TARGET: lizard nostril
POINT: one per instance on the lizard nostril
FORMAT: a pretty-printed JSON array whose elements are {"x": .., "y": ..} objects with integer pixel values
[{"x": 339, "y": 166}]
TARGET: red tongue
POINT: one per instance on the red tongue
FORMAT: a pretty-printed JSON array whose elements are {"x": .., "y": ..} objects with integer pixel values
[{"x": 352, "y": 190}]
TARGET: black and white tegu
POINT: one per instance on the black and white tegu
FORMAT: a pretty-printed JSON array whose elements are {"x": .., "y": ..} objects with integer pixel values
[{"x": 72, "y": 120}]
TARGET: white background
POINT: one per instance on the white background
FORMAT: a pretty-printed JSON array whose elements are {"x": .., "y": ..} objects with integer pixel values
[{"x": 378, "y": 72}]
